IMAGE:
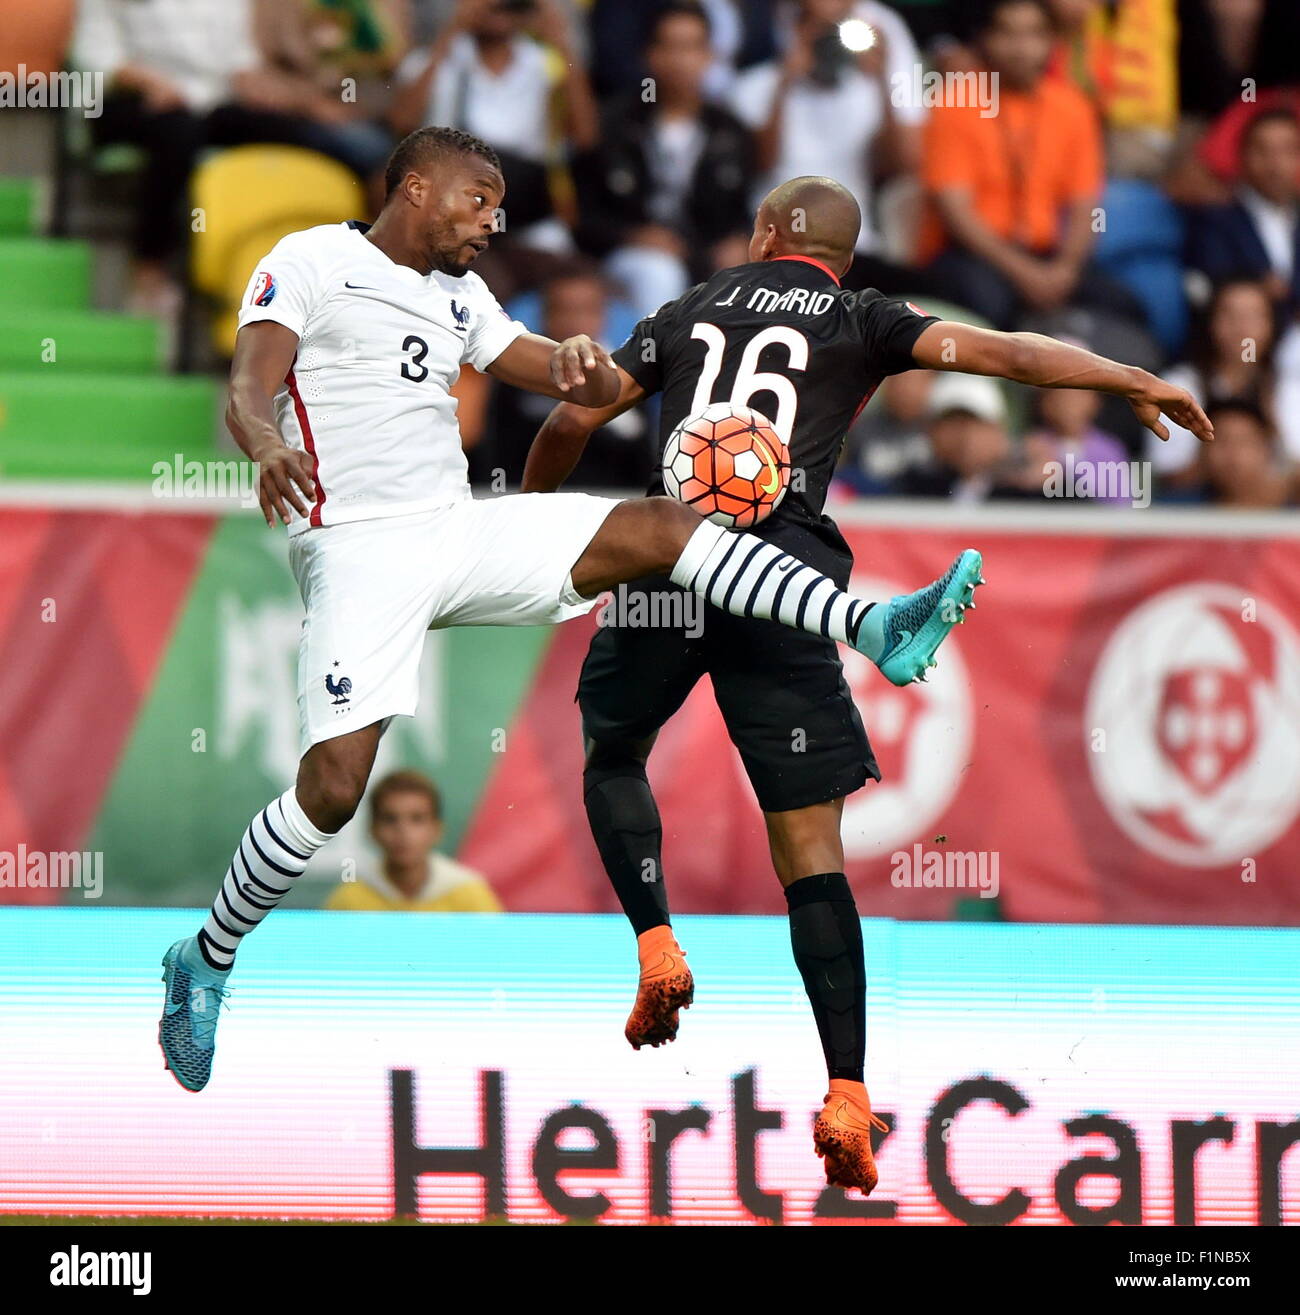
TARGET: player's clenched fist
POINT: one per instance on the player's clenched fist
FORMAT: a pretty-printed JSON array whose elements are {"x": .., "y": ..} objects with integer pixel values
[
  {"x": 279, "y": 469},
  {"x": 571, "y": 360}
]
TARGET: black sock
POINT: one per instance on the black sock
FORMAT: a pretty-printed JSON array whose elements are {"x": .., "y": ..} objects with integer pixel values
[
  {"x": 625, "y": 823},
  {"x": 827, "y": 939}
]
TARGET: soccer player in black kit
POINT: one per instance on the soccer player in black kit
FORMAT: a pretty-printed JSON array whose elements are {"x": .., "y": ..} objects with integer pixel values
[{"x": 784, "y": 314}]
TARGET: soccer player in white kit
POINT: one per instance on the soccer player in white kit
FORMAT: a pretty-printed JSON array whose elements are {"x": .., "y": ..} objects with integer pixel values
[{"x": 350, "y": 340}]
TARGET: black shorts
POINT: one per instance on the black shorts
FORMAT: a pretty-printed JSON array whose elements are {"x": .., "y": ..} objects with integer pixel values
[{"x": 782, "y": 692}]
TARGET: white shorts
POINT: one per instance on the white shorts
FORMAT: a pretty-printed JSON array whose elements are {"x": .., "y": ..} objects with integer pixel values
[{"x": 372, "y": 588}]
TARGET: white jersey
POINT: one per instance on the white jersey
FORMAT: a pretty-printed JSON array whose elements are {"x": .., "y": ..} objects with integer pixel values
[{"x": 380, "y": 346}]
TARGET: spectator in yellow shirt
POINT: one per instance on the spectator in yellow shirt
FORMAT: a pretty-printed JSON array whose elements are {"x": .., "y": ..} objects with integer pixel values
[{"x": 406, "y": 823}]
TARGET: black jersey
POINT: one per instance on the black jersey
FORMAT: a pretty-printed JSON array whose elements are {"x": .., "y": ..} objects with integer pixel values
[{"x": 780, "y": 336}]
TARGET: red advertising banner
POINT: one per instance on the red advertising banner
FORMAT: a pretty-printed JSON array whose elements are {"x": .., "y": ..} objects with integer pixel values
[
  {"x": 88, "y": 603},
  {"x": 1115, "y": 736}
]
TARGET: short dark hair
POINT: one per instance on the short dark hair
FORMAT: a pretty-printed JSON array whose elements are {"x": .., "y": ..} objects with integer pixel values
[
  {"x": 1242, "y": 406},
  {"x": 576, "y": 269},
  {"x": 677, "y": 9},
  {"x": 1275, "y": 114},
  {"x": 425, "y": 145},
  {"x": 405, "y": 781},
  {"x": 992, "y": 8},
  {"x": 1201, "y": 346}
]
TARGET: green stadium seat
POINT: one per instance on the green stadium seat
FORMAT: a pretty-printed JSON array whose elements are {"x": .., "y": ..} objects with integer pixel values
[
  {"x": 974, "y": 909},
  {"x": 120, "y": 158},
  {"x": 43, "y": 274},
  {"x": 85, "y": 341},
  {"x": 60, "y": 425},
  {"x": 18, "y": 207}
]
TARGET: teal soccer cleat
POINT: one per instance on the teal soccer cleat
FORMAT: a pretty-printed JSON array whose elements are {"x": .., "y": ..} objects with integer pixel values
[
  {"x": 187, "y": 1031},
  {"x": 902, "y": 635}
]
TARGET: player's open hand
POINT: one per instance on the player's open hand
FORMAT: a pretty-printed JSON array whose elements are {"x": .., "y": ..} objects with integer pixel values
[
  {"x": 279, "y": 470},
  {"x": 573, "y": 358},
  {"x": 1154, "y": 396}
]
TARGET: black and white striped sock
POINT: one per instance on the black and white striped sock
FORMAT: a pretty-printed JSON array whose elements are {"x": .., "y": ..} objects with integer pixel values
[
  {"x": 747, "y": 576},
  {"x": 270, "y": 858}
]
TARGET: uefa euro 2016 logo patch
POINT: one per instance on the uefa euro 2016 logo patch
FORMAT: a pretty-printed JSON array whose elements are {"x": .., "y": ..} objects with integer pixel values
[{"x": 264, "y": 289}]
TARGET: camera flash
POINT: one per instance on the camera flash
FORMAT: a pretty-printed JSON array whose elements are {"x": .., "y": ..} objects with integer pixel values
[{"x": 856, "y": 35}]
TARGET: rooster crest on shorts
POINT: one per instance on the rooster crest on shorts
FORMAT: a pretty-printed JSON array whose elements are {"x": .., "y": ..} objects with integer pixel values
[{"x": 338, "y": 689}]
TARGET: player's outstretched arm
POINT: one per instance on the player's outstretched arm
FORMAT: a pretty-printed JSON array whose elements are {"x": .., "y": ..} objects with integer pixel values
[
  {"x": 564, "y": 434},
  {"x": 575, "y": 370},
  {"x": 1033, "y": 358},
  {"x": 264, "y": 354}
]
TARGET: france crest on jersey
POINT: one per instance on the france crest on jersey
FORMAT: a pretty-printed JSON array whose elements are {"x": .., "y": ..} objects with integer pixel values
[{"x": 264, "y": 289}]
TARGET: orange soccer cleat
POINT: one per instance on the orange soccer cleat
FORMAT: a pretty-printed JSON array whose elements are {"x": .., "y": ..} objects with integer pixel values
[
  {"x": 665, "y": 987},
  {"x": 842, "y": 1136}
]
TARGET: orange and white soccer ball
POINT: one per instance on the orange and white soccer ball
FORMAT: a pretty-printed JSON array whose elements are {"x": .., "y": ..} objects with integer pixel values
[{"x": 728, "y": 464}]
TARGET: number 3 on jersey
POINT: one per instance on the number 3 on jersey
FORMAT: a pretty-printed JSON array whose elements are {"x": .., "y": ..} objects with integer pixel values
[
  {"x": 419, "y": 349},
  {"x": 750, "y": 380}
]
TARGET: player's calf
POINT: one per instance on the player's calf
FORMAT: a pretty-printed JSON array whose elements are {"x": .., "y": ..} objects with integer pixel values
[
  {"x": 625, "y": 825},
  {"x": 332, "y": 777}
]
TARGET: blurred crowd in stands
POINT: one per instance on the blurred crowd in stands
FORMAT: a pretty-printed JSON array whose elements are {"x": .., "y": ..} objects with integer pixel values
[{"x": 1130, "y": 180}]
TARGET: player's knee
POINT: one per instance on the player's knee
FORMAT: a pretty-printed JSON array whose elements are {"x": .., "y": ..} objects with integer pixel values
[
  {"x": 331, "y": 798},
  {"x": 670, "y": 526},
  {"x": 614, "y": 757},
  {"x": 341, "y": 800}
]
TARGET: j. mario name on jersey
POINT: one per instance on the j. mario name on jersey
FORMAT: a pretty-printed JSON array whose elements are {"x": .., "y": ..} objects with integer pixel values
[{"x": 798, "y": 301}]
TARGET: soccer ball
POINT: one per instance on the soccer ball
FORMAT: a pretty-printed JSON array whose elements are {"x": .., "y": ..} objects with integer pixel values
[{"x": 728, "y": 464}]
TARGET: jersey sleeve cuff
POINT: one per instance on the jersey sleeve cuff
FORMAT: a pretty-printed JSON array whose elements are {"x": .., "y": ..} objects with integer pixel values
[
  {"x": 491, "y": 342},
  {"x": 645, "y": 375},
  {"x": 910, "y": 333},
  {"x": 256, "y": 314}
]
